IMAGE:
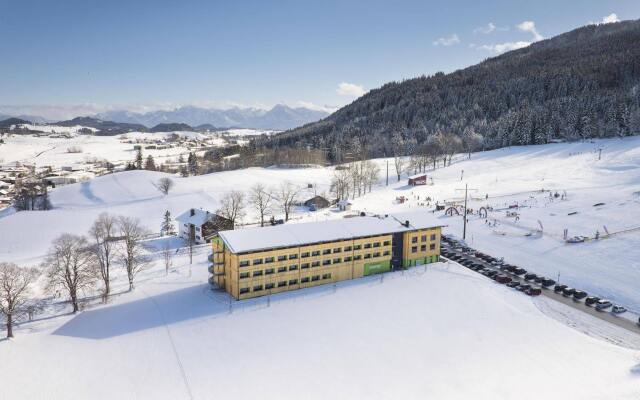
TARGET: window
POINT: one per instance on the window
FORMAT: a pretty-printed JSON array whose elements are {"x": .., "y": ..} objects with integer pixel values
[
  {"x": 305, "y": 254},
  {"x": 414, "y": 239},
  {"x": 432, "y": 246},
  {"x": 315, "y": 278},
  {"x": 376, "y": 254},
  {"x": 282, "y": 269},
  {"x": 269, "y": 286},
  {"x": 244, "y": 290},
  {"x": 376, "y": 244},
  {"x": 244, "y": 275},
  {"x": 268, "y": 260},
  {"x": 326, "y": 262},
  {"x": 368, "y": 255},
  {"x": 293, "y": 282},
  {"x": 386, "y": 253},
  {"x": 269, "y": 271},
  {"x": 367, "y": 245},
  {"x": 304, "y": 280},
  {"x": 326, "y": 276},
  {"x": 257, "y": 288},
  {"x": 337, "y": 260},
  {"x": 197, "y": 229},
  {"x": 337, "y": 250},
  {"x": 326, "y": 251},
  {"x": 282, "y": 283},
  {"x": 315, "y": 253},
  {"x": 348, "y": 248},
  {"x": 433, "y": 237},
  {"x": 295, "y": 267},
  {"x": 282, "y": 258},
  {"x": 423, "y": 247},
  {"x": 357, "y": 257},
  {"x": 293, "y": 256},
  {"x": 257, "y": 273},
  {"x": 257, "y": 261},
  {"x": 414, "y": 249},
  {"x": 387, "y": 242},
  {"x": 315, "y": 264},
  {"x": 357, "y": 247},
  {"x": 423, "y": 238},
  {"x": 244, "y": 263},
  {"x": 304, "y": 266},
  {"x": 347, "y": 259}
]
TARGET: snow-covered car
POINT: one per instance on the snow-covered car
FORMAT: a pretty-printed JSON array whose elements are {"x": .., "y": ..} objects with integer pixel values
[
  {"x": 568, "y": 292},
  {"x": 603, "y": 304},
  {"x": 559, "y": 288},
  {"x": 617, "y": 309},
  {"x": 579, "y": 295},
  {"x": 591, "y": 300}
]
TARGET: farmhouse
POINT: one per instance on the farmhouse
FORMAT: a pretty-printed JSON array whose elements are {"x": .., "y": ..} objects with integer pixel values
[
  {"x": 200, "y": 225},
  {"x": 317, "y": 202},
  {"x": 418, "y": 179},
  {"x": 259, "y": 261}
]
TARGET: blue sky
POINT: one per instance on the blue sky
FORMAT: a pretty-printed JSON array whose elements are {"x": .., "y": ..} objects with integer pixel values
[{"x": 68, "y": 56}]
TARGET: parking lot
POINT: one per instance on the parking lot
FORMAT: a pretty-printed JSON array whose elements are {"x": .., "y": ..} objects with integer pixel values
[{"x": 533, "y": 285}]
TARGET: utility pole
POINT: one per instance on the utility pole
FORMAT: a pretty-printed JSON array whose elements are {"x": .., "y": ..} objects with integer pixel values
[
  {"x": 599, "y": 153},
  {"x": 464, "y": 215},
  {"x": 387, "y": 172}
]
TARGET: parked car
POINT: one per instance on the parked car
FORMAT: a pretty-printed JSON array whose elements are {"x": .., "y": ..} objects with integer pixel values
[
  {"x": 534, "y": 292},
  {"x": 591, "y": 300},
  {"x": 618, "y": 309},
  {"x": 530, "y": 276},
  {"x": 603, "y": 304},
  {"x": 579, "y": 295},
  {"x": 513, "y": 284},
  {"x": 523, "y": 287},
  {"x": 502, "y": 279},
  {"x": 519, "y": 271},
  {"x": 568, "y": 292},
  {"x": 538, "y": 279},
  {"x": 548, "y": 282},
  {"x": 559, "y": 288}
]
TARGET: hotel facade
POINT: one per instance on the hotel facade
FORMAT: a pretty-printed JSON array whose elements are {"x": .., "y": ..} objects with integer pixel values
[{"x": 260, "y": 261}]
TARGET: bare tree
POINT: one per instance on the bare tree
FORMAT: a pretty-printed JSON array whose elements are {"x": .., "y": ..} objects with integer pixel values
[
  {"x": 133, "y": 256},
  {"x": 15, "y": 285},
  {"x": 287, "y": 195},
  {"x": 102, "y": 234},
  {"x": 449, "y": 143},
  {"x": 471, "y": 140},
  {"x": 164, "y": 185},
  {"x": 232, "y": 206},
  {"x": 167, "y": 257},
  {"x": 398, "y": 148},
  {"x": 261, "y": 198},
  {"x": 340, "y": 183},
  {"x": 69, "y": 266}
]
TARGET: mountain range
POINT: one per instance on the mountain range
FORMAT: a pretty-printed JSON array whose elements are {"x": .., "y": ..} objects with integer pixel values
[
  {"x": 280, "y": 117},
  {"x": 581, "y": 84}
]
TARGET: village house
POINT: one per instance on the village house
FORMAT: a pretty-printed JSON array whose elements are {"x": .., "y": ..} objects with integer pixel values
[{"x": 200, "y": 226}]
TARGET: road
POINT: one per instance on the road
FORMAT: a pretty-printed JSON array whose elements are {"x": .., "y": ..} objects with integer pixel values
[{"x": 627, "y": 320}]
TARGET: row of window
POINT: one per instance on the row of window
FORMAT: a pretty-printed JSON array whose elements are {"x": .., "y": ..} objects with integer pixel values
[
  {"x": 269, "y": 286},
  {"x": 423, "y": 238},
  {"x": 414, "y": 249},
  {"x": 294, "y": 267},
  {"x": 315, "y": 253}
]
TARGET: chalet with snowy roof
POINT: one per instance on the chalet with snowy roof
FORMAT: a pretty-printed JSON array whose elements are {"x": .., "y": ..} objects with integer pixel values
[
  {"x": 317, "y": 202},
  {"x": 201, "y": 226},
  {"x": 418, "y": 179}
]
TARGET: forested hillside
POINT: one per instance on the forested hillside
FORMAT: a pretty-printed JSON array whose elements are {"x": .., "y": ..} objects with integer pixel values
[{"x": 581, "y": 84}]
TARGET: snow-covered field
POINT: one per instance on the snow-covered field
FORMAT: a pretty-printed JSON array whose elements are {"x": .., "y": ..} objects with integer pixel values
[
  {"x": 47, "y": 151},
  {"x": 443, "y": 332}
]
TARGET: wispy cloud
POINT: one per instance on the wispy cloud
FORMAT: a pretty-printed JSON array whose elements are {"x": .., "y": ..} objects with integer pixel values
[
  {"x": 499, "y": 48},
  {"x": 530, "y": 26},
  {"x": 316, "y": 107},
  {"x": 447, "y": 40},
  {"x": 611, "y": 18},
  {"x": 489, "y": 28},
  {"x": 350, "y": 89}
]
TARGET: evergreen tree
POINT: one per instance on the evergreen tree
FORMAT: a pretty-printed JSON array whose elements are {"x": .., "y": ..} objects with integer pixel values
[
  {"x": 167, "y": 224},
  {"x": 150, "y": 164},
  {"x": 138, "y": 162}
]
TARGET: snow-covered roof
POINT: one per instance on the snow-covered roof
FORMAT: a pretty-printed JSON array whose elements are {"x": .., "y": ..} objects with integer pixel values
[
  {"x": 418, "y": 176},
  {"x": 198, "y": 218},
  {"x": 290, "y": 235}
]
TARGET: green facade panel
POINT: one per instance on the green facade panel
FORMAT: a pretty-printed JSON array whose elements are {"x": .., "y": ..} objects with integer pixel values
[{"x": 377, "y": 267}]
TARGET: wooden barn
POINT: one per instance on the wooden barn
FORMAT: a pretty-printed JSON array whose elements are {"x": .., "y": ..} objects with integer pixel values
[{"x": 418, "y": 179}]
